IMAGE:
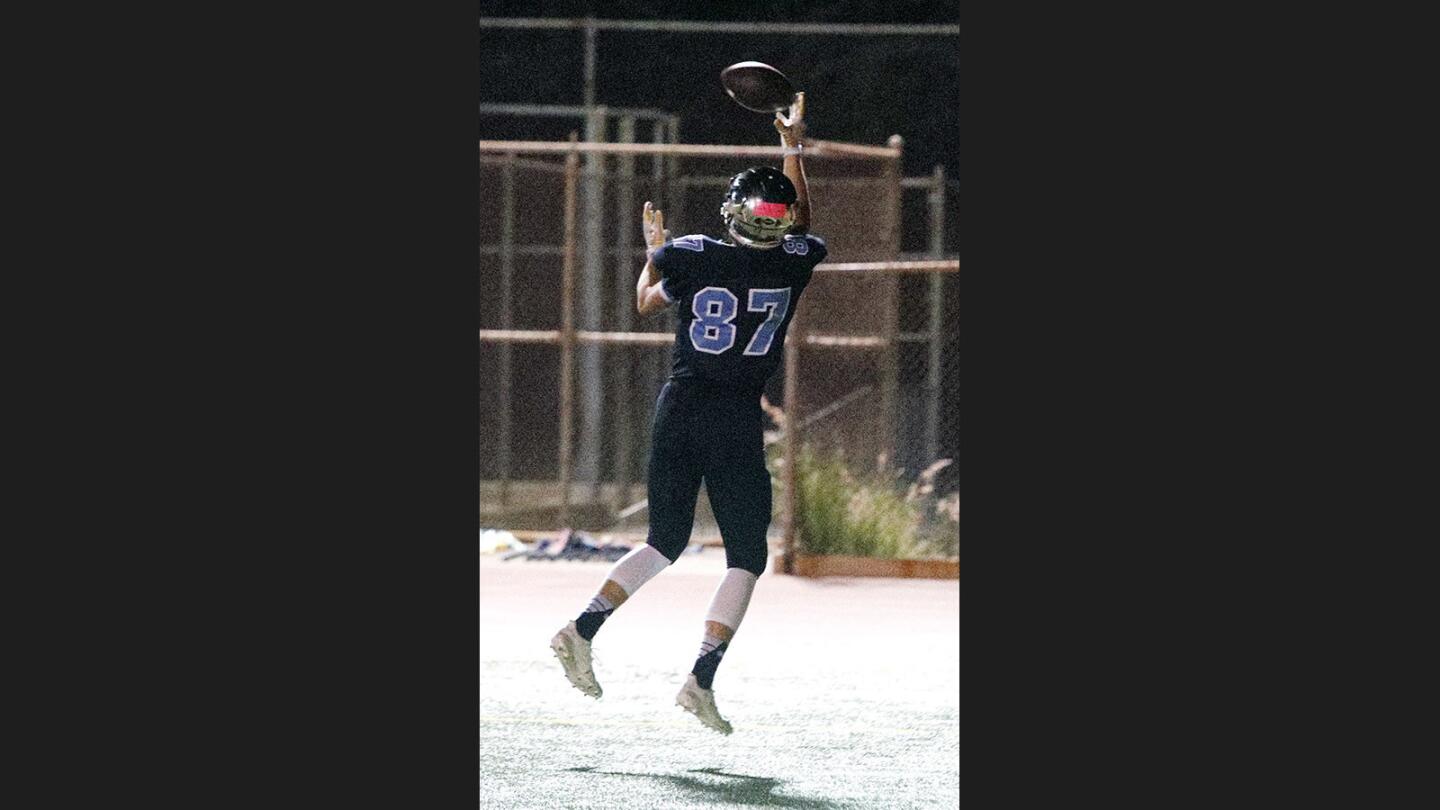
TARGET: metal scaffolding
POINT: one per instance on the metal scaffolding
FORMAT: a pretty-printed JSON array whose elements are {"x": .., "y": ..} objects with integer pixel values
[
  {"x": 613, "y": 135},
  {"x": 575, "y": 337}
]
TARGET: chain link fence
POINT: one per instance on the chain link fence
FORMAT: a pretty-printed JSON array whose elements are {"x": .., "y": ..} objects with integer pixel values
[{"x": 569, "y": 372}]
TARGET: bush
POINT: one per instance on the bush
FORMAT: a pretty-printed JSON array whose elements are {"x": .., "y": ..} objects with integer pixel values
[{"x": 840, "y": 512}]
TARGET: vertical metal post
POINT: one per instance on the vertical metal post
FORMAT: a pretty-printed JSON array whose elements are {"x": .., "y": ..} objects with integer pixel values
[
  {"x": 889, "y": 368},
  {"x": 592, "y": 272},
  {"x": 675, "y": 197},
  {"x": 507, "y": 296},
  {"x": 933, "y": 369},
  {"x": 655, "y": 358},
  {"x": 589, "y": 454},
  {"x": 625, "y": 272},
  {"x": 589, "y": 77},
  {"x": 567, "y": 334},
  {"x": 659, "y": 135},
  {"x": 676, "y": 191},
  {"x": 791, "y": 441}
]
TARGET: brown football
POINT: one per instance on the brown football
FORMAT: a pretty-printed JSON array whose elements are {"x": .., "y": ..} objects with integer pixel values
[{"x": 758, "y": 86}]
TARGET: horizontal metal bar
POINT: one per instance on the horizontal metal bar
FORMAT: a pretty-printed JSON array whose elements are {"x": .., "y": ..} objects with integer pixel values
[
  {"x": 725, "y": 27},
  {"x": 573, "y": 110},
  {"x": 581, "y": 336},
  {"x": 519, "y": 336},
  {"x": 845, "y": 341},
  {"x": 646, "y": 338},
  {"x": 524, "y": 163},
  {"x": 940, "y": 266},
  {"x": 552, "y": 336},
  {"x": 829, "y": 150},
  {"x": 844, "y": 148},
  {"x": 557, "y": 250},
  {"x": 637, "y": 252},
  {"x": 562, "y": 147},
  {"x": 715, "y": 180},
  {"x": 712, "y": 180}
]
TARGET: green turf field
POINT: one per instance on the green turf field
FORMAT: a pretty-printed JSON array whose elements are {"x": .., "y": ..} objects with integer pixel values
[{"x": 844, "y": 693}]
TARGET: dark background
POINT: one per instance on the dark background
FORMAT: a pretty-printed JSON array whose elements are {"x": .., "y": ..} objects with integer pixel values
[{"x": 858, "y": 88}]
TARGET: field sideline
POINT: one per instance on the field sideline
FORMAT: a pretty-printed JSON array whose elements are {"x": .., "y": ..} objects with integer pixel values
[{"x": 844, "y": 693}]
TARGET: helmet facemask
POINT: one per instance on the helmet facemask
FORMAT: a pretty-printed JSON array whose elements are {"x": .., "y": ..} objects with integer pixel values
[{"x": 756, "y": 223}]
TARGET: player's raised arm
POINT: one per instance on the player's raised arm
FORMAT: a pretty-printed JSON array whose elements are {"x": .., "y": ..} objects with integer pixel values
[
  {"x": 648, "y": 295},
  {"x": 792, "y": 129}
]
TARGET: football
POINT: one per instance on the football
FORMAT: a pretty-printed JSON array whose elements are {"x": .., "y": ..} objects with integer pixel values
[{"x": 757, "y": 86}]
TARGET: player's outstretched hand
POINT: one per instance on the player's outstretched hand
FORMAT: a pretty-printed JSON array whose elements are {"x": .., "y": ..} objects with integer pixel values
[
  {"x": 652, "y": 225},
  {"x": 792, "y": 127}
]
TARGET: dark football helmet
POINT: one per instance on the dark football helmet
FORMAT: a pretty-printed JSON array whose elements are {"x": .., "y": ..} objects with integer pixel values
[{"x": 759, "y": 208}]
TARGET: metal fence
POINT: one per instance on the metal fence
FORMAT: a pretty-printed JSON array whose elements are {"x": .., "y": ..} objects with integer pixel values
[{"x": 570, "y": 372}]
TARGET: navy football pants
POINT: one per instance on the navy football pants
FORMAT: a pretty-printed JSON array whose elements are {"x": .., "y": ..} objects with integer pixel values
[{"x": 715, "y": 435}]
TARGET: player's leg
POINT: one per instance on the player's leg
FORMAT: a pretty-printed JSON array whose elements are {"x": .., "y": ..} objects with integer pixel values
[
  {"x": 740, "y": 496},
  {"x": 636, "y": 568},
  {"x": 672, "y": 473},
  {"x": 727, "y": 608},
  {"x": 674, "y": 486},
  {"x": 572, "y": 644},
  {"x": 674, "y": 470},
  {"x": 738, "y": 484}
]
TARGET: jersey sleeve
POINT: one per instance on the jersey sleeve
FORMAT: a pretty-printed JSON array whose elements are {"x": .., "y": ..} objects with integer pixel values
[
  {"x": 818, "y": 249},
  {"x": 676, "y": 262},
  {"x": 805, "y": 251}
]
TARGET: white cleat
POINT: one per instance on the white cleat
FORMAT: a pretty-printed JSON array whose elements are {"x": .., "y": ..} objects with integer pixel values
[
  {"x": 701, "y": 703},
  {"x": 574, "y": 653}
]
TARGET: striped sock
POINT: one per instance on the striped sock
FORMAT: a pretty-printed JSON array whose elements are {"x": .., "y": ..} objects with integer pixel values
[
  {"x": 595, "y": 615},
  {"x": 712, "y": 650}
]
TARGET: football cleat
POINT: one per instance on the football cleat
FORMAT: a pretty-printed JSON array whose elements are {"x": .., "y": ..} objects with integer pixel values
[
  {"x": 701, "y": 703},
  {"x": 574, "y": 653}
]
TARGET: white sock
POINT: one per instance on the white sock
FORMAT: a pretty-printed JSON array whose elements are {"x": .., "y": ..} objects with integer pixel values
[
  {"x": 726, "y": 608},
  {"x": 731, "y": 598},
  {"x": 629, "y": 572},
  {"x": 637, "y": 567}
]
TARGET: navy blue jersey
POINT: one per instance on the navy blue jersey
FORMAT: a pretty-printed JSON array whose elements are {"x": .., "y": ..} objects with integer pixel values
[{"x": 734, "y": 304}]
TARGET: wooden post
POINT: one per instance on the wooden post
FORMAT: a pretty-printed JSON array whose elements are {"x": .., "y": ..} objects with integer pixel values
[{"x": 567, "y": 333}]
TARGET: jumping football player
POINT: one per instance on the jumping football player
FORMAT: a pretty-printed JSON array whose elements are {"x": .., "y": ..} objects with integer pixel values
[{"x": 735, "y": 299}]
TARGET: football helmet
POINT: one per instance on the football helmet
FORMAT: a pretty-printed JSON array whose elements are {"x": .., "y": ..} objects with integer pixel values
[{"x": 759, "y": 208}]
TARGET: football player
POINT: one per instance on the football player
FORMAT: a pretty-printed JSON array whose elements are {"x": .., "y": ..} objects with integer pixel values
[{"x": 735, "y": 298}]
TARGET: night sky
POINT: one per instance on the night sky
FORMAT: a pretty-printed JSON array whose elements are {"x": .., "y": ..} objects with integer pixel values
[{"x": 858, "y": 88}]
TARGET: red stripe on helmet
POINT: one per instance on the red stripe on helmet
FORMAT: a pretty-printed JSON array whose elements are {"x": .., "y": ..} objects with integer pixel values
[{"x": 769, "y": 209}]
